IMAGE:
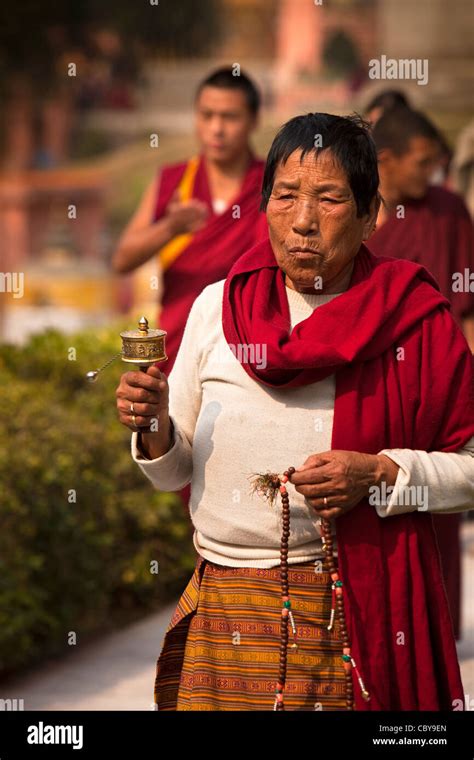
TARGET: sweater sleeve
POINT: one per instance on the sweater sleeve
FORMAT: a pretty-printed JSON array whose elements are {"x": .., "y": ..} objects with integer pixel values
[
  {"x": 173, "y": 471},
  {"x": 436, "y": 481}
]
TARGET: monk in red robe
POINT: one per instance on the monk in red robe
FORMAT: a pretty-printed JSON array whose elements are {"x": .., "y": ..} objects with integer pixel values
[
  {"x": 199, "y": 216},
  {"x": 429, "y": 225},
  {"x": 420, "y": 222}
]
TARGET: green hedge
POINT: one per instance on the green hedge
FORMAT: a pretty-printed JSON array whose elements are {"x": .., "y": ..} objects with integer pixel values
[{"x": 83, "y": 566}]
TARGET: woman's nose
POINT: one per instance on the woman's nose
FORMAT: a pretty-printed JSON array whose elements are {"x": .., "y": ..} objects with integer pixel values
[{"x": 305, "y": 219}]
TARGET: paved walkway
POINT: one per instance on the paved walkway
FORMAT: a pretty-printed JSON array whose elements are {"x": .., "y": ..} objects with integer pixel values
[
  {"x": 114, "y": 673},
  {"x": 117, "y": 672}
]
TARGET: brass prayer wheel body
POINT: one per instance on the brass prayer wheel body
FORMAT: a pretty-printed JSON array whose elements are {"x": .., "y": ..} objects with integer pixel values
[{"x": 143, "y": 346}]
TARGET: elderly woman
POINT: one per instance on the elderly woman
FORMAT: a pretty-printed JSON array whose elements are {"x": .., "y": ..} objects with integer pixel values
[{"x": 312, "y": 354}]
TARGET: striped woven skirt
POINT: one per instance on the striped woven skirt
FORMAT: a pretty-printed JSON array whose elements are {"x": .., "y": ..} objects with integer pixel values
[{"x": 221, "y": 648}]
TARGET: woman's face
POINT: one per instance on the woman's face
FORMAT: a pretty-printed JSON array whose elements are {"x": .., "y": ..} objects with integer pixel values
[{"x": 312, "y": 207}]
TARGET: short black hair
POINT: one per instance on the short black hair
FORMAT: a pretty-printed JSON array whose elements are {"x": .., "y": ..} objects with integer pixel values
[
  {"x": 387, "y": 99},
  {"x": 349, "y": 140},
  {"x": 227, "y": 79},
  {"x": 397, "y": 126}
]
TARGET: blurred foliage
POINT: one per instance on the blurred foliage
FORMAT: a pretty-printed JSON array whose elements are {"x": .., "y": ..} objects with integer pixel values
[{"x": 80, "y": 566}]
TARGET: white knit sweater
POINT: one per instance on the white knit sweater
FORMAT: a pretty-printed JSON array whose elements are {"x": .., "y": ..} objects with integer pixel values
[{"x": 227, "y": 426}]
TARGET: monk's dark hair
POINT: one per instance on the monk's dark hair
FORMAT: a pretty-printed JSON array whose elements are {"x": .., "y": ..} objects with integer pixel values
[
  {"x": 350, "y": 142},
  {"x": 398, "y": 126},
  {"x": 386, "y": 100},
  {"x": 230, "y": 78}
]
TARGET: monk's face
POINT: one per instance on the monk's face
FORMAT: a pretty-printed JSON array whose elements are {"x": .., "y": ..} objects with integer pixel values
[
  {"x": 313, "y": 225},
  {"x": 223, "y": 123},
  {"x": 409, "y": 175}
]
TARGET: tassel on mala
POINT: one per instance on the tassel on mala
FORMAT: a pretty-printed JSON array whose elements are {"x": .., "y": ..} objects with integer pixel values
[{"x": 267, "y": 486}]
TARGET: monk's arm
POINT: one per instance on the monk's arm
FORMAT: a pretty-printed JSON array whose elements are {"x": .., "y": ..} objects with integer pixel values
[{"x": 141, "y": 239}]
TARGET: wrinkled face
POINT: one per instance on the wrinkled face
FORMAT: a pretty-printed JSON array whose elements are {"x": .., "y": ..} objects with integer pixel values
[
  {"x": 313, "y": 225},
  {"x": 223, "y": 123},
  {"x": 410, "y": 174}
]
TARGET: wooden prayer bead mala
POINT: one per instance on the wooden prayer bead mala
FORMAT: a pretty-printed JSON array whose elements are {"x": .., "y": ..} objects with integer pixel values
[
  {"x": 338, "y": 607},
  {"x": 268, "y": 485}
]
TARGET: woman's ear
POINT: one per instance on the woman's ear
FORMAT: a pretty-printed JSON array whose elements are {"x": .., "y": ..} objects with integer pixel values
[{"x": 370, "y": 224}]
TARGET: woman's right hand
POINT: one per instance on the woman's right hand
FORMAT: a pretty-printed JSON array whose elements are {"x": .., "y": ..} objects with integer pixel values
[{"x": 149, "y": 393}]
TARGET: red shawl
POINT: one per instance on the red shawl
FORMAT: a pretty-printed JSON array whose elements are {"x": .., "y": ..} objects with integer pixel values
[
  {"x": 212, "y": 250},
  {"x": 424, "y": 400},
  {"x": 437, "y": 232}
]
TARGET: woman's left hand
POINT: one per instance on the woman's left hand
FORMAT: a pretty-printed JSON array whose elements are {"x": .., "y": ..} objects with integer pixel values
[{"x": 343, "y": 477}]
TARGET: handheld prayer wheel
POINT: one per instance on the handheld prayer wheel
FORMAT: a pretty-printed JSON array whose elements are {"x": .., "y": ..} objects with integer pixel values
[{"x": 141, "y": 347}]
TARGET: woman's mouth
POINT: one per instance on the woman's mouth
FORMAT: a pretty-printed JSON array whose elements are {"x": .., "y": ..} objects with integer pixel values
[{"x": 303, "y": 252}]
